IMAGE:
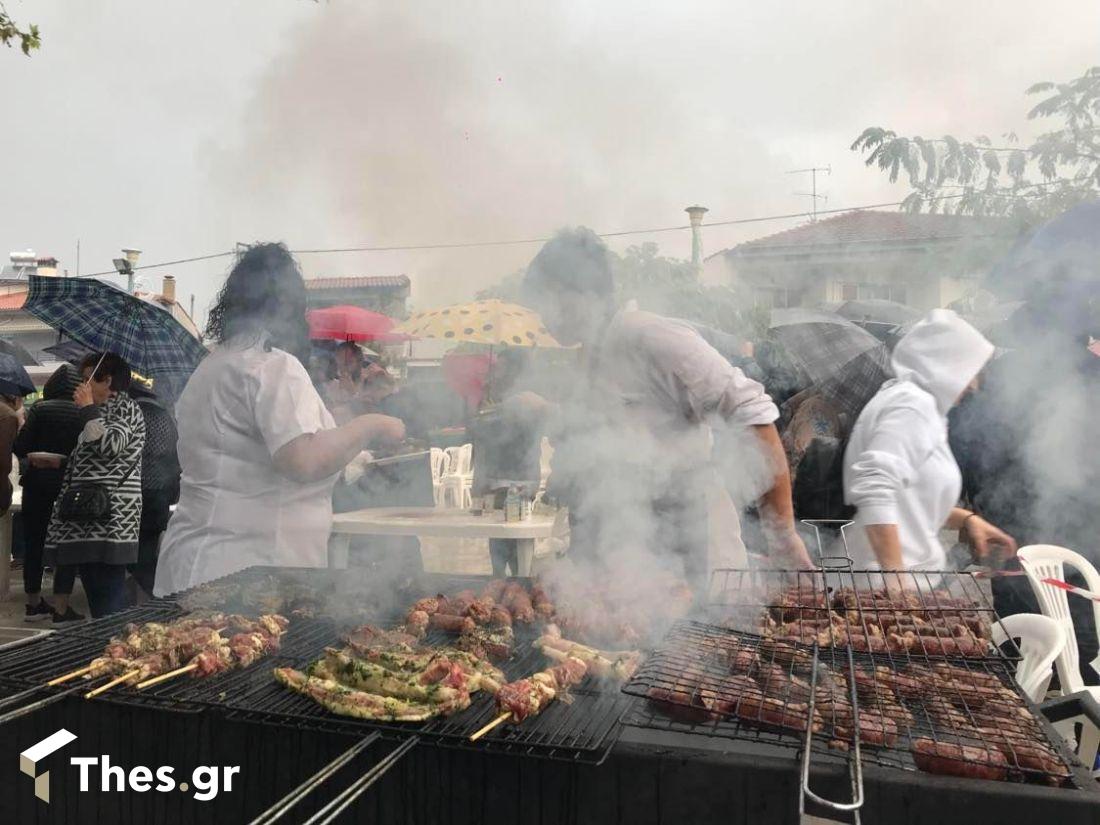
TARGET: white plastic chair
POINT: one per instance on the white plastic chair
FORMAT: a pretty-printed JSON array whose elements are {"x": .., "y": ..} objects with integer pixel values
[
  {"x": 439, "y": 461},
  {"x": 1040, "y": 642},
  {"x": 456, "y": 484},
  {"x": 1048, "y": 561}
]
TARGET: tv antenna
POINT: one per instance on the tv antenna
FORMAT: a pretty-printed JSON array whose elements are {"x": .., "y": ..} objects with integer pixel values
[{"x": 813, "y": 195}]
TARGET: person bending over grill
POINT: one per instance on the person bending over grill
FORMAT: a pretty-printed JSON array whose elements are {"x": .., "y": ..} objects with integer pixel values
[
  {"x": 899, "y": 471},
  {"x": 258, "y": 449},
  {"x": 632, "y": 456}
]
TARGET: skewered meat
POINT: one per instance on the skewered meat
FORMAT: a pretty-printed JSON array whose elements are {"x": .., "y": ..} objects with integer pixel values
[
  {"x": 950, "y": 759},
  {"x": 428, "y": 605},
  {"x": 495, "y": 643},
  {"x": 874, "y": 728},
  {"x": 529, "y": 697},
  {"x": 368, "y": 635},
  {"x": 617, "y": 665},
  {"x": 744, "y": 661},
  {"x": 452, "y": 623},
  {"x": 480, "y": 610},
  {"x": 494, "y": 590}
]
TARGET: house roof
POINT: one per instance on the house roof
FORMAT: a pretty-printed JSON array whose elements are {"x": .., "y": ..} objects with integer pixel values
[
  {"x": 872, "y": 227},
  {"x": 364, "y": 282}
]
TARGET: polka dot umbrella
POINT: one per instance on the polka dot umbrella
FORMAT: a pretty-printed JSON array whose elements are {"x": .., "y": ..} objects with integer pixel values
[{"x": 491, "y": 322}]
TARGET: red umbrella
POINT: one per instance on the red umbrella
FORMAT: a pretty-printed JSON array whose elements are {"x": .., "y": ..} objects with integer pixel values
[{"x": 349, "y": 323}]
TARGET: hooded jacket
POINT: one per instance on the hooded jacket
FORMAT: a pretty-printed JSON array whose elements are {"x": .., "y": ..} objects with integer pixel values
[
  {"x": 898, "y": 467},
  {"x": 53, "y": 426}
]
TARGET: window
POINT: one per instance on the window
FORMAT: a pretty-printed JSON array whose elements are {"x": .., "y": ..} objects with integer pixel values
[{"x": 849, "y": 292}]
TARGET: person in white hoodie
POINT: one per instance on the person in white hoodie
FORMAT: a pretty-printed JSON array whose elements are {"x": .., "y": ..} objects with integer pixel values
[{"x": 899, "y": 472}]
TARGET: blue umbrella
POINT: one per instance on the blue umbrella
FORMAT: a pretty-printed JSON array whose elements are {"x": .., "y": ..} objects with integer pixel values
[
  {"x": 101, "y": 316},
  {"x": 13, "y": 378}
]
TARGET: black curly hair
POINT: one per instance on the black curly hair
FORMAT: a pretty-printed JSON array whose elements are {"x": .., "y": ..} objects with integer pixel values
[{"x": 263, "y": 293}]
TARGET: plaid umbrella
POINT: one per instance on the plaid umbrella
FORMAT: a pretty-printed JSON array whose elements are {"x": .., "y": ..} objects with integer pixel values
[
  {"x": 101, "y": 316},
  {"x": 820, "y": 344}
]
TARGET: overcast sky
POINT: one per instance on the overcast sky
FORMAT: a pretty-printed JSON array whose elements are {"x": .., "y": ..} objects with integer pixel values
[{"x": 183, "y": 127}]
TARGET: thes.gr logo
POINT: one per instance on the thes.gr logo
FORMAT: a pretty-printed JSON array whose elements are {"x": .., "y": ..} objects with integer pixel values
[{"x": 29, "y": 759}]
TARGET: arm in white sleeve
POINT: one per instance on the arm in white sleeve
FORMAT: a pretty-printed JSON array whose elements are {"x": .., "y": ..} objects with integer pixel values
[
  {"x": 899, "y": 443},
  {"x": 704, "y": 382}
]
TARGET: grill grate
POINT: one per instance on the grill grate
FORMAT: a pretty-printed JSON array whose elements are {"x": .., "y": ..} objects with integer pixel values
[
  {"x": 699, "y": 675},
  {"x": 583, "y": 731},
  {"x": 939, "y": 615}
]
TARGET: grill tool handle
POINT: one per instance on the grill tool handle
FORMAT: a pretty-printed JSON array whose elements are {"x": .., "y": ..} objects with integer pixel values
[
  {"x": 12, "y": 715},
  {"x": 276, "y": 811},
  {"x": 333, "y": 809},
  {"x": 855, "y": 764}
]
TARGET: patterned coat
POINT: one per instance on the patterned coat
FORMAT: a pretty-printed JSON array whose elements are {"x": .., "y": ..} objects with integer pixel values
[{"x": 110, "y": 444}]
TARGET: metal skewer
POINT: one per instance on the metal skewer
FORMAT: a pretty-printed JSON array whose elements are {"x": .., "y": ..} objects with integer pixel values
[
  {"x": 166, "y": 676},
  {"x": 277, "y": 810},
  {"x": 125, "y": 677},
  {"x": 500, "y": 720},
  {"x": 333, "y": 809},
  {"x": 41, "y": 703}
]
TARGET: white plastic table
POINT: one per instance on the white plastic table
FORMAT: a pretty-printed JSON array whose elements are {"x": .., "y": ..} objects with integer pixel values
[
  {"x": 440, "y": 523},
  {"x": 5, "y": 539}
]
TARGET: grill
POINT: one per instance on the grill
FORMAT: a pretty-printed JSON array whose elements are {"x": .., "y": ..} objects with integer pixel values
[
  {"x": 582, "y": 731},
  {"x": 698, "y": 674}
]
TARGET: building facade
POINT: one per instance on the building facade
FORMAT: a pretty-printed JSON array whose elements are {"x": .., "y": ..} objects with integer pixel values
[
  {"x": 386, "y": 294},
  {"x": 921, "y": 260}
]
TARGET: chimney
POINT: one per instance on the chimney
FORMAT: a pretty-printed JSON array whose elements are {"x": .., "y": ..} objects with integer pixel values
[
  {"x": 695, "y": 215},
  {"x": 168, "y": 290}
]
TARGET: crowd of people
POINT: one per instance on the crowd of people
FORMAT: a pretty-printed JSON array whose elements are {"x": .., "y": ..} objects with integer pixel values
[{"x": 660, "y": 438}]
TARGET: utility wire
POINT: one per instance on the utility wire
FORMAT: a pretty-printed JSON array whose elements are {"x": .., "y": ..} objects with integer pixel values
[{"x": 522, "y": 241}]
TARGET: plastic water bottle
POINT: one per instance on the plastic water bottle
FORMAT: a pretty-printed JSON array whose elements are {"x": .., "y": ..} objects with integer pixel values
[{"x": 512, "y": 504}]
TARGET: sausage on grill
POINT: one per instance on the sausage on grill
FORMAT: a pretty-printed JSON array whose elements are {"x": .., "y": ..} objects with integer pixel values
[{"x": 950, "y": 759}]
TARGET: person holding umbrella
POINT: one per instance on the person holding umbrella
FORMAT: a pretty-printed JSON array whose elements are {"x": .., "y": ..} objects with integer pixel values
[
  {"x": 258, "y": 449},
  {"x": 98, "y": 511}
]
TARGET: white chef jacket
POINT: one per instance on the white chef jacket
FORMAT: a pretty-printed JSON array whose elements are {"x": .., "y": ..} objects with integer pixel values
[
  {"x": 240, "y": 406},
  {"x": 898, "y": 467}
]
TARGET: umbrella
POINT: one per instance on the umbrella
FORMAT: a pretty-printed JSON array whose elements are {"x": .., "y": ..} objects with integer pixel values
[
  {"x": 820, "y": 344},
  {"x": 490, "y": 322},
  {"x": 1067, "y": 246},
  {"x": 101, "y": 316},
  {"x": 13, "y": 378},
  {"x": 351, "y": 323},
  {"x": 18, "y": 351},
  {"x": 878, "y": 311},
  {"x": 68, "y": 350}
]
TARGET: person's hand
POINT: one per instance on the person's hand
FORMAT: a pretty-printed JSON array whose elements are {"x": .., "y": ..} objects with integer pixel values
[
  {"x": 987, "y": 540},
  {"x": 82, "y": 395},
  {"x": 385, "y": 429},
  {"x": 45, "y": 462},
  {"x": 786, "y": 550}
]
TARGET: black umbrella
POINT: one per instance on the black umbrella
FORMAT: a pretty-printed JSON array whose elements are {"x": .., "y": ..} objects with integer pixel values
[
  {"x": 68, "y": 350},
  {"x": 13, "y": 378},
  {"x": 18, "y": 351},
  {"x": 820, "y": 344},
  {"x": 877, "y": 311}
]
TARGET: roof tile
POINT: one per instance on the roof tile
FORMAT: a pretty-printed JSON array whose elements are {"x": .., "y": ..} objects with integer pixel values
[
  {"x": 863, "y": 226},
  {"x": 353, "y": 282}
]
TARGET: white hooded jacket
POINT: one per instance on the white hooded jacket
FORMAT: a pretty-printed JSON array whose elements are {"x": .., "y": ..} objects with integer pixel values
[{"x": 898, "y": 467}]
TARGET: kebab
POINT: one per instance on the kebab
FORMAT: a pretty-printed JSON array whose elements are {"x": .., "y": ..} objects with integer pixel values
[
  {"x": 612, "y": 665},
  {"x": 204, "y": 648},
  {"x": 529, "y": 697}
]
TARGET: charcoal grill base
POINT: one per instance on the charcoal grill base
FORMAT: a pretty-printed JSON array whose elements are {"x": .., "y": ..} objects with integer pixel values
[{"x": 650, "y": 778}]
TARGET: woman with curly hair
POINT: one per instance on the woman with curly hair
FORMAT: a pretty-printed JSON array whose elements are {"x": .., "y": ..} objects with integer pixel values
[{"x": 258, "y": 449}]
